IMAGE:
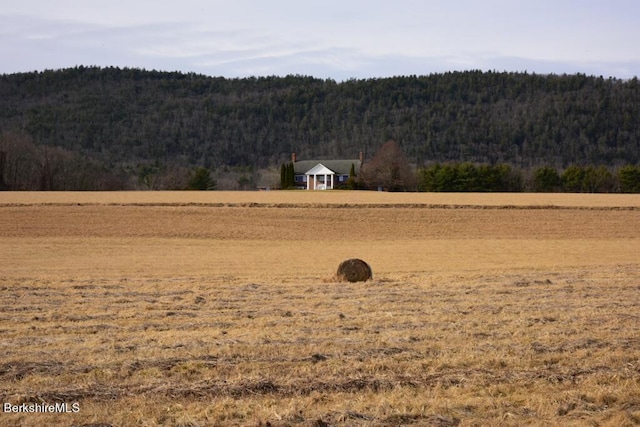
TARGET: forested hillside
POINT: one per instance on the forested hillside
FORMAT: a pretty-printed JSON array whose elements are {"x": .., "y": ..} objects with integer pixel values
[{"x": 128, "y": 121}]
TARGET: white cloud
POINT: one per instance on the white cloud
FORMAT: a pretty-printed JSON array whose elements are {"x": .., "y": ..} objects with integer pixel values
[{"x": 333, "y": 38}]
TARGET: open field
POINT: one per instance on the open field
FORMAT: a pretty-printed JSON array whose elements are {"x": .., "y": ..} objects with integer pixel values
[{"x": 197, "y": 309}]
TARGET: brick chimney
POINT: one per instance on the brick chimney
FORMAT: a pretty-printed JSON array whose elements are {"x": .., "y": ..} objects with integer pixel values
[{"x": 293, "y": 157}]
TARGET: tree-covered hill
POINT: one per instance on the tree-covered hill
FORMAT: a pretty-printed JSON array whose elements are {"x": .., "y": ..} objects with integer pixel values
[{"x": 128, "y": 117}]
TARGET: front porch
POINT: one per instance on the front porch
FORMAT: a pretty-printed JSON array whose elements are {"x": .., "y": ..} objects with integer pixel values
[{"x": 320, "y": 178}]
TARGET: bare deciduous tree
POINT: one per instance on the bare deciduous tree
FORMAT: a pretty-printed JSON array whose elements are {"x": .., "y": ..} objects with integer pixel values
[{"x": 389, "y": 169}]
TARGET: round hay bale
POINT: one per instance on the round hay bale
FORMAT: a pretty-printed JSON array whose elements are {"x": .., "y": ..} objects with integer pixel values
[{"x": 354, "y": 270}]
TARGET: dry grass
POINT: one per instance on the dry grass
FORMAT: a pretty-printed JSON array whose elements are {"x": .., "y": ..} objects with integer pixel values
[{"x": 227, "y": 315}]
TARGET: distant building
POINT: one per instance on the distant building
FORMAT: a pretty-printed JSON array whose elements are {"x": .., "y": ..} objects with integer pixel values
[{"x": 324, "y": 174}]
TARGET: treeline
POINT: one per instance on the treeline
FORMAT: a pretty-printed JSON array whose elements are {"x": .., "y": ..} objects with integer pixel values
[
  {"x": 154, "y": 129},
  {"x": 25, "y": 166},
  {"x": 468, "y": 177}
]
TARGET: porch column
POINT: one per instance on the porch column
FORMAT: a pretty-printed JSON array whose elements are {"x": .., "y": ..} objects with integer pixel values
[{"x": 307, "y": 181}]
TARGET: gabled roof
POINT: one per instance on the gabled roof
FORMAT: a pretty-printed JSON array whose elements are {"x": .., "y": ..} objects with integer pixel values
[
  {"x": 339, "y": 167},
  {"x": 320, "y": 169}
]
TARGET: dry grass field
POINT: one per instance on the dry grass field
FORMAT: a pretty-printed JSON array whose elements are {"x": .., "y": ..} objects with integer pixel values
[{"x": 213, "y": 308}]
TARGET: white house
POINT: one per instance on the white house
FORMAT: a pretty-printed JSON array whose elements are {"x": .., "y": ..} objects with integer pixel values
[{"x": 324, "y": 174}]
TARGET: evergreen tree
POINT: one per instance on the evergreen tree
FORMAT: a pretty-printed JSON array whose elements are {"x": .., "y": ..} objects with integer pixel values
[
  {"x": 351, "y": 181},
  {"x": 287, "y": 176},
  {"x": 201, "y": 180},
  {"x": 629, "y": 178},
  {"x": 283, "y": 176},
  {"x": 573, "y": 179},
  {"x": 291, "y": 177},
  {"x": 546, "y": 179}
]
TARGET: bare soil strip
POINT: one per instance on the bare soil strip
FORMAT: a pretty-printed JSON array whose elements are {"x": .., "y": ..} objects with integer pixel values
[{"x": 319, "y": 198}]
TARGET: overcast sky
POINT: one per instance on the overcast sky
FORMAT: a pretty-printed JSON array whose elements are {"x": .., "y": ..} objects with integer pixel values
[{"x": 337, "y": 39}]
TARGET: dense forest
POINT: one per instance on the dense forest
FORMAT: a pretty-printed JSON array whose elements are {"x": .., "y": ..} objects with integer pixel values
[{"x": 110, "y": 128}]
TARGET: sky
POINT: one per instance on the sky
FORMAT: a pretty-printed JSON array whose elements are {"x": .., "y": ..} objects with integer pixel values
[{"x": 337, "y": 39}]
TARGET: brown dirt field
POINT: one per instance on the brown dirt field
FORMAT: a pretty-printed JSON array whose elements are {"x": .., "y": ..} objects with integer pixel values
[
  {"x": 184, "y": 309},
  {"x": 321, "y": 197}
]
